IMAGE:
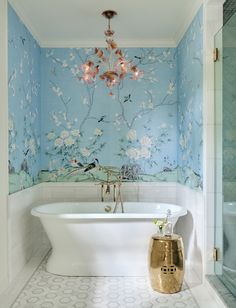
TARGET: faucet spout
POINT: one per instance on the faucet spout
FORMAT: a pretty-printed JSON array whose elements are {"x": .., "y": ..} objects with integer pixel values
[{"x": 107, "y": 185}]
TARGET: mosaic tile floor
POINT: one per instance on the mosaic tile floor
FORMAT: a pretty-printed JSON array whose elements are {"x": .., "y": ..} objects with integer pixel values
[{"x": 45, "y": 290}]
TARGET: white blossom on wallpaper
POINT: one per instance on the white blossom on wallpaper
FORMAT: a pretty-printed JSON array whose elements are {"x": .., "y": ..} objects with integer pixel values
[
  {"x": 190, "y": 102},
  {"x": 59, "y": 127},
  {"x": 134, "y": 129},
  {"x": 24, "y": 103}
]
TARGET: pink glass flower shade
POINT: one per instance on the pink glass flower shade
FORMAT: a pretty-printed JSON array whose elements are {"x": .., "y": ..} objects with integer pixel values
[{"x": 110, "y": 64}]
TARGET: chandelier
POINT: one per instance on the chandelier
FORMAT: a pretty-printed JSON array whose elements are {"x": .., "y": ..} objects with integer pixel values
[{"x": 110, "y": 64}]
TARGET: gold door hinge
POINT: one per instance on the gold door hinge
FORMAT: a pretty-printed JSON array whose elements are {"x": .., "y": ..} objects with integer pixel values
[
  {"x": 216, "y": 55},
  {"x": 216, "y": 254}
]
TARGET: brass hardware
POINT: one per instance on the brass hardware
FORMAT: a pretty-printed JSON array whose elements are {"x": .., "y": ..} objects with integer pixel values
[
  {"x": 166, "y": 263},
  {"x": 106, "y": 191},
  {"x": 114, "y": 192},
  {"x": 107, "y": 208},
  {"x": 216, "y": 254},
  {"x": 102, "y": 192},
  {"x": 114, "y": 179},
  {"x": 216, "y": 55},
  {"x": 106, "y": 185},
  {"x": 118, "y": 199}
]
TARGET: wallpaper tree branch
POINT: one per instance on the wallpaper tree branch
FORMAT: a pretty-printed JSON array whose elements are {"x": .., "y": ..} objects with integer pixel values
[{"x": 58, "y": 125}]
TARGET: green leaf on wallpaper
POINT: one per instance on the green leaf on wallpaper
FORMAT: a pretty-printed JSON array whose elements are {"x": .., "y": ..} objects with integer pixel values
[
  {"x": 19, "y": 181},
  {"x": 71, "y": 175},
  {"x": 81, "y": 123}
]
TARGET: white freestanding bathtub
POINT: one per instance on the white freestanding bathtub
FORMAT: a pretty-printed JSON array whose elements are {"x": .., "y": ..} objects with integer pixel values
[{"x": 87, "y": 241}]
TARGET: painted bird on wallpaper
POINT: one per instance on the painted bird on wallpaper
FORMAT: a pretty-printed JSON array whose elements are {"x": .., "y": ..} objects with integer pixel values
[
  {"x": 26, "y": 152},
  {"x": 127, "y": 99},
  {"x": 102, "y": 119},
  {"x": 92, "y": 165},
  {"x": 23, "y": 40},
  {"x": 76, "y": 164}
]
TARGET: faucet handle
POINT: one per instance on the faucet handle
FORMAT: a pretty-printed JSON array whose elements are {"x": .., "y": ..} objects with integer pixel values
[
  {"x": 102, "y": 192},
  {"x": 108, "y": 190},
  {"x": 114, "y": 192}
]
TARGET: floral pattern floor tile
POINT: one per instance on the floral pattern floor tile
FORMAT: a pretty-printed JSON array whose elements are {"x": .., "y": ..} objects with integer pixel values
[{"x": 45, "y": 290}]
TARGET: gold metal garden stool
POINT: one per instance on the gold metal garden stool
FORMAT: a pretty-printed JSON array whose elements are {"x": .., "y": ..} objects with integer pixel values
[{"x": 166, "y": 263}]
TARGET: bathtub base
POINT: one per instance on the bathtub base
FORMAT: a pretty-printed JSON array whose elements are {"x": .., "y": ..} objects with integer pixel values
[
  {"x": 107, "y": 267},
  {"x": 114, "y": 248}
]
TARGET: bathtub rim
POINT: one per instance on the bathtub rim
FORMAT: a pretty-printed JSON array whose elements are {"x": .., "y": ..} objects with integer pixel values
[{"x": 106, "y": 216}]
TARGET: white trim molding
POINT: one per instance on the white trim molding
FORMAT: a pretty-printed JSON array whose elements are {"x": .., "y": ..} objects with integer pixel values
[
  {"x": 123, "y": 44},
  {"x": 26, "y": 20},
  {"x": 4, "y": 144},
  {"x": 186, "y": 22},
  {"x": 43, "y": 42}
]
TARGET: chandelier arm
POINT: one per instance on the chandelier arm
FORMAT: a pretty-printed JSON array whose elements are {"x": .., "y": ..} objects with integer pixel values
[{"x": 117, "y": 66}]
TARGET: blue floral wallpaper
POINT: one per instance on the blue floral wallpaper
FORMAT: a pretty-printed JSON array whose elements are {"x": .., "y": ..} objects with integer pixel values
[
  {"x": 24, "y": 105},
  {"x": 190, "y": 103},
  {"x": 61, "y": 129},
  {"x": 135, "y": 129}
]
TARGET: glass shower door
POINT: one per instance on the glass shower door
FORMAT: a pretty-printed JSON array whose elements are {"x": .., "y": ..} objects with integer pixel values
[{"x": 225, "y": 119}]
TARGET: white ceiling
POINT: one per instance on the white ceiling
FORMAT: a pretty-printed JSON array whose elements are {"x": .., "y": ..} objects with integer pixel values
[{"x": 78, "y": 23}]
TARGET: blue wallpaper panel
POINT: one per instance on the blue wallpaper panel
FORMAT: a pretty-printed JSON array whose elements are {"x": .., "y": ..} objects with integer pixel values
[
  {"x": 149, "y": 130},
  {"x": 24, "y": 104},
  {"x": 190, "y": 103},
  {"x": 135, "y": 128}
]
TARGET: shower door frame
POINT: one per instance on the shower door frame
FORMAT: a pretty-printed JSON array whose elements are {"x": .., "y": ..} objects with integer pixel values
[{"x": 213, "y": 22}]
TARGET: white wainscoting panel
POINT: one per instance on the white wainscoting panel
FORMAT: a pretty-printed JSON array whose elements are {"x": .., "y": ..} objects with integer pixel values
[
  {"x": 191, "y": 227},
  {"x": 26, "y": 236},
  {"x": 156, "y": 192}
]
